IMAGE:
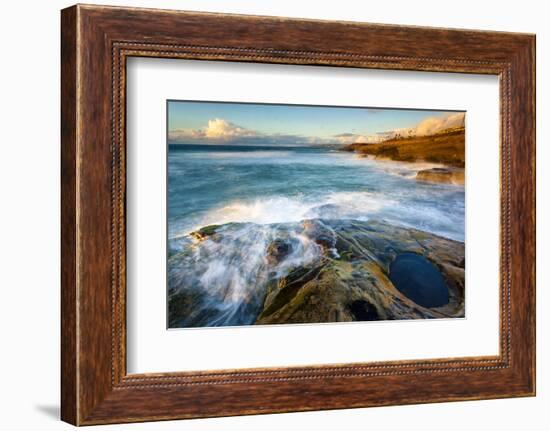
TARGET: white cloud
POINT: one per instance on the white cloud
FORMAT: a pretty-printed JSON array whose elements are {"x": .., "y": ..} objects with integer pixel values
[
  {"x": 353, "y": 138},
  {"x": 432, "y": 125},
  {"x": 183, "y": 134},
  {"x": 429, "y": 126},
  {"x": 223, "y": 130},
  {"x": 216, "y": 130},
  {"x": 371, "y": 139}
]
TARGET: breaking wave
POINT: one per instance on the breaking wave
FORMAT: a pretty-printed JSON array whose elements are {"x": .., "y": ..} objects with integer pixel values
[
  {"x": 230, "y": 271},
  {"x": 282, "y": 209}
]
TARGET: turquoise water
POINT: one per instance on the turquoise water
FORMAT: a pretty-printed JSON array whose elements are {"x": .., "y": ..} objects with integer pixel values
[
  {"x": 265, "y": 192},
  {"x": 212, "y": 184}
]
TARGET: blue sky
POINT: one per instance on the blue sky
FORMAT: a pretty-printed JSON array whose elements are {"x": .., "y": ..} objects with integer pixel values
[{"x": 228, "y": 122}]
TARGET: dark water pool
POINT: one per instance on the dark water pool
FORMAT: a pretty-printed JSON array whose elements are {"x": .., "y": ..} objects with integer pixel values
[{"x": 419, "y": 280}]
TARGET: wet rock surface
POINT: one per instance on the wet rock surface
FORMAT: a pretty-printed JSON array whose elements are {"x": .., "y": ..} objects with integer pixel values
[
  {"x": 360, "y": 271},
  {"x": 442, "y": 175}
]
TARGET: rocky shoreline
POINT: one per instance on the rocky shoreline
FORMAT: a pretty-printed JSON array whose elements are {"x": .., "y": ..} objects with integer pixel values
[
  {"x": 442, "y": 175},
  {"x": 365, "y": 270},
  {"x": 446, "y": 148}
]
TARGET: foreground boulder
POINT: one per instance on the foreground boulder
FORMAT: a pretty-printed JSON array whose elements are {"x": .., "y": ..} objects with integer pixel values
[
  {"x": 357, "y": 284},
  {"x": 356, "y": 271}
]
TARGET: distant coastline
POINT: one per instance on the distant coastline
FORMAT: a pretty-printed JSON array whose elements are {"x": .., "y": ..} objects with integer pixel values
[{"x": 445, "y": 148}]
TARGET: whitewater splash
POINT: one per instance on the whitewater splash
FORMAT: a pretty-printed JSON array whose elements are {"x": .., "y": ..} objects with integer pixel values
[
  {"x": 335, "y": 206},
  {"x": 226, "y": 274},
  {"x": 282, "y": 209}
]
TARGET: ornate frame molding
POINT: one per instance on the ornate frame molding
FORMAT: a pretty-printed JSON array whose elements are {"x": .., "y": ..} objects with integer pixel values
[{"x": 96, "y": 41}]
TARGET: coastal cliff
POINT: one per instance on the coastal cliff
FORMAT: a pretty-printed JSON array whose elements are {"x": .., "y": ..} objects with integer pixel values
[
  {"x": 361, "y": 270},
  {"x": 446, "y": 147}
]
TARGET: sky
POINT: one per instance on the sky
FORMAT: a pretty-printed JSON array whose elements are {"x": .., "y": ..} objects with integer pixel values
[{"x": 251, "y": 123}]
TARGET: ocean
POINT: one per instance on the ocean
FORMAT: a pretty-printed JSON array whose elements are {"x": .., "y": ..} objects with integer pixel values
[
  {"x": 214, "y": 184},
  {"x": 265, "y": 192}
]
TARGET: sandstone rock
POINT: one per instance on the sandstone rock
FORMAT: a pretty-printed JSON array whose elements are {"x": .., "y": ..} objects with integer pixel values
[
  {"x": 442, "y": 175},
  {"x": 357, "y": 286},
  {"x": 278, "y": 250},
  {"x": 349, "y": 280},
  {"x": 322, "y": 234},
  {"x": 205, "y": 232}
]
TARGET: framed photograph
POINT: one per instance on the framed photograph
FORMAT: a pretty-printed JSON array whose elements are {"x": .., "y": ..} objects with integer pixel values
[
  {"x": 297, "y": 218},
  {"x": 264, "y": 215}
]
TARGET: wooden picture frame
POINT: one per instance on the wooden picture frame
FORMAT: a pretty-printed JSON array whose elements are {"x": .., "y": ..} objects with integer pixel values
[{"x": 95, "y": 43}]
